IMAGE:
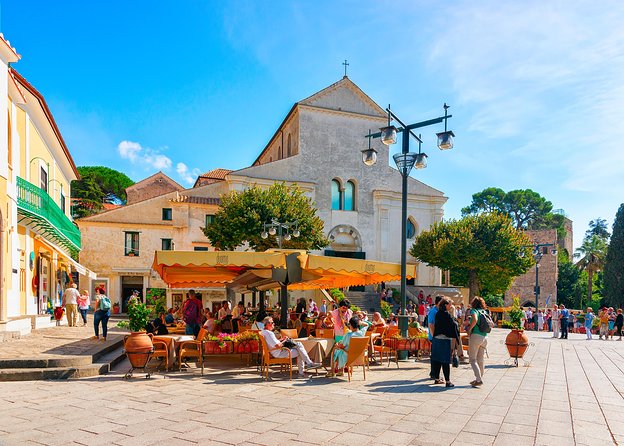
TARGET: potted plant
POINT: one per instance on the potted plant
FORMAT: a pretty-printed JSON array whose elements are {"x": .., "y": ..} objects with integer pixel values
[
  {"x": 116, "y": 308},
  {"x": 219, "y": 344},
  {"x": 138, "y": 344},
  {"x": 247, "y": 342},
  {"x": 517, "y": 341}
]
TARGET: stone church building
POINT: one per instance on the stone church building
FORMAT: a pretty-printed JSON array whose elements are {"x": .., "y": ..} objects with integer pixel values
[{"x": 318, "y": 146}]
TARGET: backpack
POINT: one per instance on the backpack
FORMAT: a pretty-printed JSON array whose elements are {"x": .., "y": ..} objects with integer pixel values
[
  {"x": 484, "y": 322},
  {"x": 191, "y": 312},
  {"x": 105, "y": 303}
]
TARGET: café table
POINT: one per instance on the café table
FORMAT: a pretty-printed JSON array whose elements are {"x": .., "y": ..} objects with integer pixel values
[
  {"x": 173, "y": 342},
  {"x": 319, "y": 349}
]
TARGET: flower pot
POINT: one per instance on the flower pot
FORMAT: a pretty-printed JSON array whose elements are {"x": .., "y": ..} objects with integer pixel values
[
  {"x": 425, "y": 345},
  {"x": 213, "y": 347},
  {"x": 137, "y": 347},
  {"x": 115, "y": 309},
  {"x": 248, "y": 346},
  {"x": 517, "y": 342}
]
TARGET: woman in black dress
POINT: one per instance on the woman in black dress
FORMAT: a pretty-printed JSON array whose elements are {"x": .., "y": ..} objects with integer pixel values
[{"x": 446, "y": 334}]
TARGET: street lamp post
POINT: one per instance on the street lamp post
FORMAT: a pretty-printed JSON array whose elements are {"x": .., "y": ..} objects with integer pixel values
[
  {"x": 281, "y": 231},
  {"x": 405, "y": 161},
  {"x": 538, "y": 253}
]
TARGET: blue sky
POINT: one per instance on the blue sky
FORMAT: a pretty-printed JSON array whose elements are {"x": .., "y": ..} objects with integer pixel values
[{"x": 536, "y": 88}]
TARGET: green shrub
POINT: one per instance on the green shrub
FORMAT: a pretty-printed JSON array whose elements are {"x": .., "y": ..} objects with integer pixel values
[
  {"x": 507, "y": 324},
  {"x": 515, "y": 314},
  {"x": 386, "y": 309},
  {"x": 138, "y": 315}
]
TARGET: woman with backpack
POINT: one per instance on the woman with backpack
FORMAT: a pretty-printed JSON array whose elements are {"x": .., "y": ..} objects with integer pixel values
[
  {"x": 480, "y": 326},
  {"x": 101, "y": 313}
]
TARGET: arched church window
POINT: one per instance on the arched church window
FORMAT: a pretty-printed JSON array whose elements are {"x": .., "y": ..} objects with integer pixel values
[
  {"x": 336, "y": 195},
  {"x": 411, "y": 229},
  {"x": 349, "y": 196}
]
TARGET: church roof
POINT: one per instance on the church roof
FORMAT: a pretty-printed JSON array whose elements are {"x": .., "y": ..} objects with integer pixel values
[
  {"x": 341, "y": 96},
  {"x": 158, "y": 174},
  {"x": 212, "y": 176},
  {"x": 322, "y": 99}
]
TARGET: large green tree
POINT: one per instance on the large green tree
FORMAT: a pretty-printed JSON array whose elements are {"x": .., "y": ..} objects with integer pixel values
[
  {"x": 242, "y": 215},
  {"x": 614, "y": 263},
  {"x": 592, "y": 255},
  {"x": 98, "y": 184},
  {"x": 483, "y": 250},
  {"x": 526, "y": 208}
]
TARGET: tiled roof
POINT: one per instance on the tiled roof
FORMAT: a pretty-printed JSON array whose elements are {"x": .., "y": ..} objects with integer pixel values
[
  {"x": 216, "y": 174},
  {"x": 196, "y": 200}
]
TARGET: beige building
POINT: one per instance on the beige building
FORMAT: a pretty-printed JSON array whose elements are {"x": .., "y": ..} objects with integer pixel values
[{"x": 120, "y": 243}]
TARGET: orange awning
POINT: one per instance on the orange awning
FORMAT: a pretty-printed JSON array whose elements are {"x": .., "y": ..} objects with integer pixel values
[{"x": 254, "y": 270}]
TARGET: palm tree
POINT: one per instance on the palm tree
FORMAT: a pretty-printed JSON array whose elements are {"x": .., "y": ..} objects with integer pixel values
[{"x": 592, "y": 255}]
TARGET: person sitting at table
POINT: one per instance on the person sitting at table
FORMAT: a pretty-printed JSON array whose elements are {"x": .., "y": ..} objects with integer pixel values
[
  {"x": 224, "y": 310},
  {"x": 159, "y": 327},
  {"x": 300, "y": 325},
  {"x": 169, "y": 317},
  {"x": 238, "y": 314},
  {"x": 357, "y": 329},
  {"x": 328, "y": 322},
  {"x": 275, "y": 348},
  {"x": 209, "y": 325},
  {"x": 318, "y": 323}
]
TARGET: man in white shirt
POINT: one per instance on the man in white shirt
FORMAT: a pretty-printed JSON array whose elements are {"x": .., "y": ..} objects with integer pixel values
[
  {"x": 70, "y": 301},
  {"x": 275, "y": 348}
]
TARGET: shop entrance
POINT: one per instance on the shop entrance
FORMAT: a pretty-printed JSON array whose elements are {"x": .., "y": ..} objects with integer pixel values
[{"x": 128, "y": 285}]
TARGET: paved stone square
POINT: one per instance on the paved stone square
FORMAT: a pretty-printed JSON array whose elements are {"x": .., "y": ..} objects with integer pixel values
[{"x": 570, "y": 393}]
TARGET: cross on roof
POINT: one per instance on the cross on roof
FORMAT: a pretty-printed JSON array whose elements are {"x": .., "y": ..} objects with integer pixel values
[{"x": 346, "y": 64}]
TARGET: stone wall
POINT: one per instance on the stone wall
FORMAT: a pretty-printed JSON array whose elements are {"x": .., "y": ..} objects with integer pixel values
[{"x": 523, "y": 286}]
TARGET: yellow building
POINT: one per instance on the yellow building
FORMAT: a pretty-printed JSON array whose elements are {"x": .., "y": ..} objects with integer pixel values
[{"x": 38, "y": 237}]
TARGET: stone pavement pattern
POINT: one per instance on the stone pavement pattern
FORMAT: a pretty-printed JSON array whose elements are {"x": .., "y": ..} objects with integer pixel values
[{"x": 571, "y": 393}]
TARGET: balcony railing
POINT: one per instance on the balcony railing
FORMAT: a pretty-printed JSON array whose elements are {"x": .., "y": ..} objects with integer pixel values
[{"x": 45, "y": 215}]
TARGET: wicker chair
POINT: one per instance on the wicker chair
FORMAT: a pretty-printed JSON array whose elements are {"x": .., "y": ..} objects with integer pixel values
[{"x": 268, "y": 360}]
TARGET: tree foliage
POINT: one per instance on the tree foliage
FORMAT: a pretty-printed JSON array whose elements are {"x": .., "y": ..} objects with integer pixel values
[
  {"x": 97, "y": 185},
  {"x": 592, "y": 255},
  {"x": 241, "y": 217},
  {"x": 598, "y": 227},
  {"x": 483, "y": 250},
  {"x": 570, "y": 289},
  {"x": 614, "y": 263},
  {"x": 526, "y": 208}
]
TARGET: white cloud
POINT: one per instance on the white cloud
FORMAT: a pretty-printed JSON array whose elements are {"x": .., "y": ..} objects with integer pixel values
[
  {"x": 187, "y": 175},
  {"x": 149, "y": 158},
  {"x": 129, "y": 150}
]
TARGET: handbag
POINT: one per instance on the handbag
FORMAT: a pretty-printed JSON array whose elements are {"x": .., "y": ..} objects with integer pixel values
[
  {"x": 289, "y": 343},
  {"x": 455, "y": 361}
]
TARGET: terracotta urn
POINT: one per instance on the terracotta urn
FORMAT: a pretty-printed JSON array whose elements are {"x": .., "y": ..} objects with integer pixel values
[
  {"x": 137, "y": 347},
  {"x": 517, "y": 343}
]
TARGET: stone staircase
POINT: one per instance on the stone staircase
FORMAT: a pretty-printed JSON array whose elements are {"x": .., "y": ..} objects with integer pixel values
[
  {"x": 363, "y": 299},
  {"x": 97, "y": 361}
]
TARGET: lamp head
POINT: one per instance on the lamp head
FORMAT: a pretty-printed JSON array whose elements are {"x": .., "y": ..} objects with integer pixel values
[
  {"x": 421, "y": 161},
  {"x": 272, "y": 230},
  {"x": 369, "y": 156},
  {"x": 264, "y": 235},
  {"x": 388, "y": 135},
  {"x": 445, "y": 140},
  {"x": 296, "y": 233},
  {"x": 287, "y": 237}
]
